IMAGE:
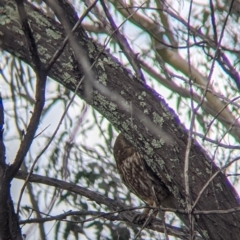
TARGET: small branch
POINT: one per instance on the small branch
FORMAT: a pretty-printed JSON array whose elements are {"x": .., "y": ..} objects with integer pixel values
[
  {"x": 56, "y": 130},
  {"x": 124, "y": 45},
  {"x": 189, "y": 141},
  {"x": 112, "y": 204},
  {"x": 213, "y": 22},
  {"x": 29, "y": 37},
  {"x": 217, "y": 115},
  {"x": 124, "y": 213},
  {"x": 218, "y": 211},
  {"x": 35, "y": 204},
  {"x": 67, "y": 16},
  {"x": 61, "y": 48},
  {"x": 223, "y": 60},
  {"x": 211, "y": 179},
  {"x": 2, "y": 146},
  {"x": 227, "y": 67},
  {"x": 39, "y": 95},
  {"x": 216, "y": 142},
  {"x": 42, "y": 131},
  {"x": 64, "y": 216},
  {"x": 218, "y": 47},
  {"x": 147, "y": 221},
  {"x": 154, "y": 225},
  {"x": 232, "y": 174}
]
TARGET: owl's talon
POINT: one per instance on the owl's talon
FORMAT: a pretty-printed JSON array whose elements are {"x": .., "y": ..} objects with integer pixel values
[{"x": 140, "y": 217}]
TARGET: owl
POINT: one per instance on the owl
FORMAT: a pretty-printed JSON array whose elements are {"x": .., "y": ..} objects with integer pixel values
[
  {"x": 133, "y": 174},
  {"x": 132, "y": 171}
]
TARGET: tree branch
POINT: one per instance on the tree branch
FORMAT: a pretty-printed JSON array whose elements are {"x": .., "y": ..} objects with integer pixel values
[
  {"x": 41, "y": 77},
  {"x": 120, "y": 212},
  {"x": 140, "y": 113}
]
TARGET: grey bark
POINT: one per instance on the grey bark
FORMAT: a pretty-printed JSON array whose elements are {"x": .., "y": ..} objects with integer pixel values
[{"x": 134, "y": 109}]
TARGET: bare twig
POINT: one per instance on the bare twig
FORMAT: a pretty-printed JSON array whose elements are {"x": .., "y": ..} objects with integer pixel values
[
  {"x": 69, "y": 144},
  {"x": 211, "y": 179},
  {"x": 44, "y": 149},
  {"x": 42, "y": 131},
  {"x": 213, "y": 22},
  {"x": 48, "y": 144},
  {"x": 61, "y": 48},
  {"x": 189, "y": 143},
  {"x": 147, "y": 221},
  {"x": 35, "y": 204},
  {"x": 215, "y": 117},
  {"x": 124, "y": 213},
  {"x": 222, "y": 59},
  {"x": 124, "y": 45},
  {"x": 88, "y": 74},
  {"x": 2, "y": 146},
  {"x": 216, "y": 142},
  {"x": 39, "y": 95},
  {"x": 233, "y": 174}
]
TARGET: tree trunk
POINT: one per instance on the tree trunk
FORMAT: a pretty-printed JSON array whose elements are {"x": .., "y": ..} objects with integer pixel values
[
  {"x": 9, "y": 226},
  {"x": 134, "y": 109},
  {"x": 9, "y": 229}
]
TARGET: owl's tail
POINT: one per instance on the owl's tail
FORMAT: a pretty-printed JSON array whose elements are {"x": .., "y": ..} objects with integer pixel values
[{"x": 171, "y": 202}]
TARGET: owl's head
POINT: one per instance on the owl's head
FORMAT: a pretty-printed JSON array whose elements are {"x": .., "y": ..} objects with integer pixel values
[{"x": 122, "y": 148}]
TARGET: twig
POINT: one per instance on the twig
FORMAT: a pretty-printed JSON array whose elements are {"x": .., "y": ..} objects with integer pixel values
[
  {"x": 213, "y": 22},
  {"x": 124, "y": 45},
  {"x": 35, "y": 204},
  {"x": 2, "y": 146},
  {"x": 125, "y": 213},
  {"x": 69, "y": 143},
  {"x": 232, "y": 174},
  {"x": 216, "y": 142},
  {"x": 215, "y": 117},
  {"x": 61, "y": 48},
  {"x": 87, "y": 74},
  {"x": 48, "y": 144},
  {"x": 218, "y": 46},
  {"x": 39, "y": 95},
  {"x": 211, "y": 179},
  {"x": 145, "y": 224},
  {"x": 42, "y": 131},
  {"x": 189, "y": 142}
]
